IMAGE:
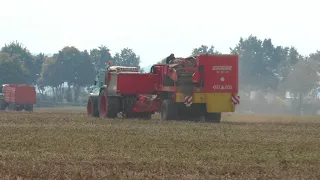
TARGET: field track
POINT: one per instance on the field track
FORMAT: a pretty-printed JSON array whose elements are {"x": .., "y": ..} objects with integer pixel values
[{"x": 55, "y": 143}]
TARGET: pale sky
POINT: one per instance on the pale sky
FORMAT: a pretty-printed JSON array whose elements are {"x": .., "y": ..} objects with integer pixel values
[{"x": 154, "y": 29}]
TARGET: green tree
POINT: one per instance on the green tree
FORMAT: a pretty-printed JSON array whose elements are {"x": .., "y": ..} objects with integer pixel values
[
  {"x": 303, "y": 77},
  {"x": 51, "y": 76},
  {"x": 12, "y": 71},
  {"x": 203, "y": 49},
  {"x": 68, "y": 59},
  {"x": 258, "y": 63},
  {"x": 301, "y": 80},
  {"x": 24, "y": 55},
  {"x": 162, "y": 61},
  {"x": 100, "y": 57},
  {"x": 126, "y": 58},
  {"x": 84, "y": 73}
]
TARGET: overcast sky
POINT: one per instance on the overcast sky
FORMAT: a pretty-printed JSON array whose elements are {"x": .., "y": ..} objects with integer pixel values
[{"x": 154, "y": 29}]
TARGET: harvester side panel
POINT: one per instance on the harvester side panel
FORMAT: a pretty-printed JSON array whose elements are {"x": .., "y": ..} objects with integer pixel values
[
  {"x": 20, "y": 94},
  {"x": 135, "y": 83},
  {"x": 220, "y": 73}
]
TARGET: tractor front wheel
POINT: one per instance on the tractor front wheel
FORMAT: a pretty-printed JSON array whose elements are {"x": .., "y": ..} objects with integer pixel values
[{"x": 92, "y": 106}]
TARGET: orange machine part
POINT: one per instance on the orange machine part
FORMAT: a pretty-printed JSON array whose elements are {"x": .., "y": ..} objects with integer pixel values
[{"x": 19, "y": 94}]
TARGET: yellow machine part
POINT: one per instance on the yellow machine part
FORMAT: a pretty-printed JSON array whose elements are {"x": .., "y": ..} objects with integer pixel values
[{"x": 215, "y": 102}]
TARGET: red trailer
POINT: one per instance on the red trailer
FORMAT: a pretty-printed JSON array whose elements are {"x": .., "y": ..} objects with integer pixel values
[{"x": 19, "y": 97}]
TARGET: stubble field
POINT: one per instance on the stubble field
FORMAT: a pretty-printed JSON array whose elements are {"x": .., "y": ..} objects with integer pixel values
[{"x": 66, "y": 144}]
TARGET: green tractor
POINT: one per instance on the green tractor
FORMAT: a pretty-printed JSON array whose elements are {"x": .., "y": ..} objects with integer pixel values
[{"x": 92, "y": 106}]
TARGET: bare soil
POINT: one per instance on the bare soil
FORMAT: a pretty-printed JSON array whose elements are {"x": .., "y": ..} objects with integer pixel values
[{"x": 53, "y": 144}]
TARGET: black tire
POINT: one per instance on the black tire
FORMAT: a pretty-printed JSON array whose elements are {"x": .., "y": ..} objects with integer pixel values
[
  {"x": 3, "y": 106},
  {"x": 112, "y": 106},
  {"x": 168, "y": 110},
  {"x": 29, "y": 108},
  {"x": 12, "y": 107},
  {"x": 213, "y": 117},
  {"x": 108, "y": 106},
  {"x": 92, "y": 106},
  {"x": 147, "y": 116}
]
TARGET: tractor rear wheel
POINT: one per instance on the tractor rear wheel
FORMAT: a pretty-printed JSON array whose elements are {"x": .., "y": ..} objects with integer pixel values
[
  {"x": 168, "y": 110},
  {"x": 92, "y": 106},
  {"x": 213, "y": 117},
  {"x": 108, "y": 105}
]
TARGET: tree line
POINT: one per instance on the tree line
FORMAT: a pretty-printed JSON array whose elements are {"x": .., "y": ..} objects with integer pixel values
[{"x": 263, "y": 66}]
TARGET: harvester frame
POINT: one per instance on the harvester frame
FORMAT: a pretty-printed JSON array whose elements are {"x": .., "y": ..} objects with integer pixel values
[{"x": 201, "y": 86}]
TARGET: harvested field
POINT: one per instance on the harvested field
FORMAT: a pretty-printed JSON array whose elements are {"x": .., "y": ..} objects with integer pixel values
[{"x": 70, "y": 145}]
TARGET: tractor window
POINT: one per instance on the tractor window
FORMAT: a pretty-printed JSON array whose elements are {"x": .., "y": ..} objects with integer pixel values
[{"x": 153, "y": 70}]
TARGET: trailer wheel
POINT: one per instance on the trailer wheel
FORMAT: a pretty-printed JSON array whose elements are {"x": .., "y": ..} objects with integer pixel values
[
  {"x": 213, "y": 117},
  {"x": 168, "y": 110},
  {"x": 92, "y": 106}
]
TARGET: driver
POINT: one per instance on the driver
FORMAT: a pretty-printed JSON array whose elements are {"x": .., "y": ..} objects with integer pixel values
[{"x": 170, "y": 59}]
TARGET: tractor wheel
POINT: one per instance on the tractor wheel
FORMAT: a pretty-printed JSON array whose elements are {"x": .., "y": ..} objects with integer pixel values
[
  {"x": 92, "y": 106},
  {"x": 213, "y": 117},
  {"x": 168, "y": 110},
  {"x": 108, "y": 105}
]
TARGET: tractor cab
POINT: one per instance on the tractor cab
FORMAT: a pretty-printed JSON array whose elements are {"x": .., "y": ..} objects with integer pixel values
[{"x": 102, "y": 75}]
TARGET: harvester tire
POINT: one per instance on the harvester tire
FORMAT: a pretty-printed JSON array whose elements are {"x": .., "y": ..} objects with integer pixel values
[
  {"x": 12, "y": 107},
  {"x": 3, "y": 105},
  {"x": 112, "y": 106},
  {"x": 29, "y": 108},
  {"x": 147, "y": 116},
  {"x": 168, "y": 110},
  {"x": 92, "y": 106},
  {"x": 213, "y": 117},
  {"x": 108, "y": 105}
]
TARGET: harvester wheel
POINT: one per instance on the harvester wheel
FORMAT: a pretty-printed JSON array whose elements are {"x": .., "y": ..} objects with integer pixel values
[
  {"x": 12, "y": 107},
  {"x": 112, "y": 106},
  {"x": 29, "y": 108},
  {"x": 168, "y": 110},
  {"x": 108, "y": 105},
  {"x": 92, "y": 106},
  {"x": 147, "y": 116},
  {"x": 3, "y": 106},
  {"x": 213, "y": 117}
]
